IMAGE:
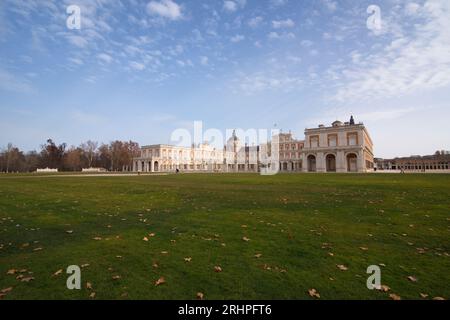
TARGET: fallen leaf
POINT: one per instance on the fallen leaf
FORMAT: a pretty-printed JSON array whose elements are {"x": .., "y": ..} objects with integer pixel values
[
  {"x": 116, "y": 277},
  {"x": 97, "y": 238},
  {"x": 38, "y": 249},
  {"x": 155, "y": 265},
  {"x": 200, "y": 295},
  {"x": 57, "y": 273},
  {"x": 151, "y": 235},
  {"x": 6, "y": 290},
  {"x": 85, "y": 265},
  {"x": 145, "y": 239},
  {"x": 160, "y": 281},
  {"x": 393, "y": 296},
  {"x": 258, "y": 255},
  {"x": 313, "y": 293},
  {"x": 69, "y": 231},
  {"x": 189, "y": 259},
  {"x": 412, "y": 279},
  {"x": 342, "y": 267},
  {"x": 364, "y": 248},
  {"x": 27, "y": 279},
  {"x": 383, "y": 288},
  {"x": 11, "y": 271},
  {"x": 423, "y": 295},
  {"x": 246, "y": 239},
  {"x": 217, "y": 269},
  {"x": 438, "y": 299},
  {"x": 92, "y": 295},
  {"x": 88, "y": 285}
]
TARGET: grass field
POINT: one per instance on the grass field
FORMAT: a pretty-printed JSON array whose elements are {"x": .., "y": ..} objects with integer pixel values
[{"x": 299, "y": 229}]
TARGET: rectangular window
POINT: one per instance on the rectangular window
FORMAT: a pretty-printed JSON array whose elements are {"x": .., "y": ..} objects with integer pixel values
[
  {"x": 332, "y": 140},
  {"x": 352, "y": 139},
  {"x": 314, "y": 141}
]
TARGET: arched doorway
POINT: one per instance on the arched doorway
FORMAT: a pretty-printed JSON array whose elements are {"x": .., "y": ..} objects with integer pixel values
[
  {"x": 331, "y": 163},
  {"x": 352, "y": 162},
  {"x": 156, "y": 166},
  {"x": 312, "y": 163}
]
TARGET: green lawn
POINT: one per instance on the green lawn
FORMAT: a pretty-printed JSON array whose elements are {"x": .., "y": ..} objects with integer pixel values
[{"x": 303, "y": 226}]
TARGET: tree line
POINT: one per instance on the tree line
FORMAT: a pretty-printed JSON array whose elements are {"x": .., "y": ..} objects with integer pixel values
[{"x": 115, "y": 156}]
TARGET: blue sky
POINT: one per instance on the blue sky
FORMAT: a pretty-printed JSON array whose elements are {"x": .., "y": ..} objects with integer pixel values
[{"x": 141, "y": 69}]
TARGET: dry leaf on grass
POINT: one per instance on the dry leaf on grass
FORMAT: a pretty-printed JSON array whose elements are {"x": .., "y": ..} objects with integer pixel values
[
  {"x": 160, "y": 281},
  {"x": 57, "y": 273},
  {"x": 246, "y": 239},
  {"x": 200, "y": 295},
  {"x": 412, "y": 279},
  {"x": 27, "y": 279},
  {"x": 145, "y": 239},
  {"x": 438, "y": 299},
  {"x": 393, "y": 296},
  {"x": 6, "y": 290},
  {"x": 342, "y": 267},
  {"x": 88, "y": 285},
  {"x": 92, "y": 295},
  {"x": 383, "y": 288},
  {"x": 11, "y": 271},
  {"x": 217, "y": 269},
  {"x": 188, "y": 259},
  {"x": 313, "y": 293},
  {"x": 258, "y": 255},
  {"x": 424, "y": 295},
  {"x": 116, "y": 277}
]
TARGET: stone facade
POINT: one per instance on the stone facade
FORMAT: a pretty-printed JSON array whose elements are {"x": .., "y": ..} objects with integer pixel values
[
  {"x": 342, "y": 147},
  {"x": 439, "y": 161}
]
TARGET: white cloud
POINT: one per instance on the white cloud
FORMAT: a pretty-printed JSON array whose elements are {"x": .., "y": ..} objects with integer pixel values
[
  {"x": 330, "y": 5},
  {"x": 77, "y": 41},
  {"x": 410, "y": 63},
  {"x": 262, "y": 81},
  {"x": 237, "y": 38},
  {"x": 275, "y": 35},
  {"x": 232, "y": 6},
  {"x": 204, "y": 61},
  {"x": 137, "y": 65},
  {"x": 165, "y": 8},
  {"x": 278, "y": 24},
  {"x": 10, "y": 82},
  {"x": 278, "y": 3},
  {"x": 255, "y": 22},
  {"x": 105, "y": 57}
]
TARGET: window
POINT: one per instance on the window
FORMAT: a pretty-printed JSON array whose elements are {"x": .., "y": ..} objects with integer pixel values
[
  {"x": 332, "y": 140},
  {"x": 314, "y": 141},
  {"x": 352, "y": 139}
]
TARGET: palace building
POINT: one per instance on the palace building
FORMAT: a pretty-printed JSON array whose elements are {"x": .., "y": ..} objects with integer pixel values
[
  {"x": 440, "y": 161},
  {"x": 341, "y": 147}
]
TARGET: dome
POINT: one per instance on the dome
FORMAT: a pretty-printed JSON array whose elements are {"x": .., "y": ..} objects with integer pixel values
[{"x": 337, "y": 123}]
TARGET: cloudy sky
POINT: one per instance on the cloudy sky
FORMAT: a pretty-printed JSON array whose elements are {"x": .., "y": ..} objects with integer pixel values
[{"x": 141, "y": 69}]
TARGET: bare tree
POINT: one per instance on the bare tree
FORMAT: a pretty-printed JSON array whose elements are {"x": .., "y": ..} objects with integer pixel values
[{"x": 90, "y": 151}]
